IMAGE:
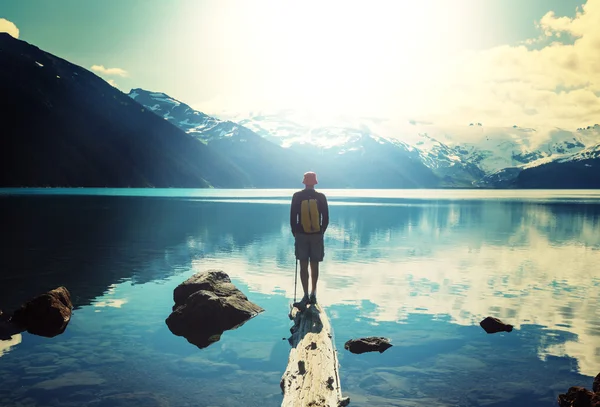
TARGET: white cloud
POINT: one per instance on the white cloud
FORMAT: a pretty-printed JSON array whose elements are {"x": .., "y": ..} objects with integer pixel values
[
  {"x": 555, "y": 85},
  {"x": 112, "y": 82},
  {"x": 9, "y": 27},
  {"x": 424, "y": 69},
  {"x": 100, "y": 69}
]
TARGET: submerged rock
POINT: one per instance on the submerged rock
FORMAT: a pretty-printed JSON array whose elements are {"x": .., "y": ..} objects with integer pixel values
[
  {"x": 493, "y": 325},
  {"x": 370, "y": 344},
  {"x": 206, "y": 305},
  {"x": 46, "y": 315},
  {"x": 579, "y": 397}
]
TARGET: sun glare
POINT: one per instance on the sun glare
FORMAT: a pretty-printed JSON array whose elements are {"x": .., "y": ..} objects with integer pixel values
[{"x": 341, "y": 56}]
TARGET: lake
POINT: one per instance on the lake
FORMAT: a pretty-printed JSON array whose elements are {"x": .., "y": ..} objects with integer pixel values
[{"x": 421, "y": 267}]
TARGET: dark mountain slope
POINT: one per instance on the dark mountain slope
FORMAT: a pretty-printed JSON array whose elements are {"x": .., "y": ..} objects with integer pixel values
[
  {"x": 61, "y": 125},
  {"x": 579, "y": 171}
]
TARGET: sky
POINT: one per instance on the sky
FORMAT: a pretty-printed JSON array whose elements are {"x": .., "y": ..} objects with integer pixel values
[{"x": 497, "y": 62}]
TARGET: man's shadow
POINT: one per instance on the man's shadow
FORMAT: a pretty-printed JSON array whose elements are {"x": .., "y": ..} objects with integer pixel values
[{"x": 306, "y": 320}]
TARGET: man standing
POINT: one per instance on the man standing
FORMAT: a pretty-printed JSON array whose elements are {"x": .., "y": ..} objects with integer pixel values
[{"x": 309, "y": 218}]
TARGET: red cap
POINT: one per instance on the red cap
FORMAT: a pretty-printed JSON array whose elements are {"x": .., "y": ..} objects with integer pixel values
[{"x": 310, "y": 178}]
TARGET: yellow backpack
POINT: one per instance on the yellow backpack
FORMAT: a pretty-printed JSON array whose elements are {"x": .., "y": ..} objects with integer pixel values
[{"x": 310, "y": 216}]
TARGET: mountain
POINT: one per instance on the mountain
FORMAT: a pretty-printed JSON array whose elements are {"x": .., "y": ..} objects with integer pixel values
[
  {"x": 292, "y": 129},
  {"x": 521, "y": 154},
  {"x": 446, "y": 162},
  {"x": 580, "y": 170},
  {"x": 507, "y": 147},
  {"x": 360, "y": 160},
  {"x": 267, "y": 165},
  {"x": 64, "y": 126}
]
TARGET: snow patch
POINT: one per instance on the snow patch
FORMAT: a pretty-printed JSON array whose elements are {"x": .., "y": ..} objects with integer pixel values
[
  {"x": 132, "y": 95},
  {"x": 39, "y": 64},
  {"x": 167, "y": 100},
  {"x": 225, "y": 133}
]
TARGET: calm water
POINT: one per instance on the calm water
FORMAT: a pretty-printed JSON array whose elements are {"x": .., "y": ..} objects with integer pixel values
[{"x": 420, "y": 267}]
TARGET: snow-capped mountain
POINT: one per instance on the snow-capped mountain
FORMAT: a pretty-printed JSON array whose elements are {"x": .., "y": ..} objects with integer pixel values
[
  {"x": 522, "y": 154},
  {"x": 578, "y": 170},
  {"x": 277, "y": 154},
  {"x": 180, "y": 114},
  {"x": 252, "y": 154},
  {"x": 471, "y": 155},
  {"x": 348, "y": 135},
  {"x": 374, "y": 152},
  {"x": 445, "y": 161},
  {"x": 501, "y": 148}
]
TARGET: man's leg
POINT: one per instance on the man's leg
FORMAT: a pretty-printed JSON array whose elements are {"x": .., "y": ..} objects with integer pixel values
[
  {"x": 304, "y": 275},
  {"x": 316, "y": 255},
  {"x": 302, "y": 254},
  {"x": 314, "y": 275}
]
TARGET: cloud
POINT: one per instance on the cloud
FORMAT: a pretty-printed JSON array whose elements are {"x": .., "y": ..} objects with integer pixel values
[
  {"x": 9, "y": 27},
  {"x": 112, "y": 82},
  {"x": 555, "y": 82},
  {"x": 100, "y": 69},
  {"x": 427, "y": 75}
]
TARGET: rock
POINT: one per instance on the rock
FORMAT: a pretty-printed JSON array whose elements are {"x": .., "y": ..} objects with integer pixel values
[
  {"x": 493, "y": 325},
  {"x": 344, "y": 402},
  {"x": 579, "y": 397},
  {"x": 370, "y": 344},
  {"x": 206, "y": 305},
  {"x": 596, "y": 386},
  {"x": 46, "y": 315}
]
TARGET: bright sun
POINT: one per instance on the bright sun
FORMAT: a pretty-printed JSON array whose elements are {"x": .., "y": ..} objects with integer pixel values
[{"x": 335, "y": 56}]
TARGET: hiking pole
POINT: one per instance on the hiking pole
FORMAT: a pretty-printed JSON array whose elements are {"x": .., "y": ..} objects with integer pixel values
[{"x": 296, "y": 281}]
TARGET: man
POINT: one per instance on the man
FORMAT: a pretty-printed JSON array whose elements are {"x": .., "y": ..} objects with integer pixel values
[{"x": 309, "y": 218}]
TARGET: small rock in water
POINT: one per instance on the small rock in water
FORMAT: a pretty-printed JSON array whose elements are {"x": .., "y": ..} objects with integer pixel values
[
  {"x": 493, "y": 325},
  {"x": 370, "y": 344},
  {"x": 579, "y": 397},
  {"x": 596, "y": 386},
  {"x": 344, "y": 402}
]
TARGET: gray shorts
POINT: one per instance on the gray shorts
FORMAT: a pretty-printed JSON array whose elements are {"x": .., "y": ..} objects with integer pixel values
[{"x": 309, "y": 246}]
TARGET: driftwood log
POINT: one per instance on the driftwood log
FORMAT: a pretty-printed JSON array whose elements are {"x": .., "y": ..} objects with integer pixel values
[{"x": 312, "y": 374}]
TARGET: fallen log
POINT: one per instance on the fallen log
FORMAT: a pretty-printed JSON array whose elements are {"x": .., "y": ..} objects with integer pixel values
[{"x": 312, "y": 374}]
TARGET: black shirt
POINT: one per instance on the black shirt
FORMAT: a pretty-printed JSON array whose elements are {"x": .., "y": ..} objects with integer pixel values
[{"x": 295, "y": 209}]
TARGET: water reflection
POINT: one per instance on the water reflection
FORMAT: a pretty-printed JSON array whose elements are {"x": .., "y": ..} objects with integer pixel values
[
  {"x": 529, "y": 264},
  {"x": 423, "y": 273},
  {"x": 7, "y": 344}
]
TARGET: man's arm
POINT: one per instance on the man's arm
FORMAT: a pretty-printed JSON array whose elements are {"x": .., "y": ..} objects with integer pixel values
[
  {"x": 293, "y": 215},
  {"x": 325, "y": 215}
]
